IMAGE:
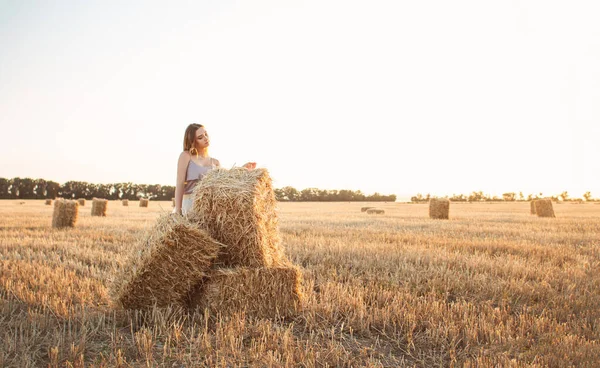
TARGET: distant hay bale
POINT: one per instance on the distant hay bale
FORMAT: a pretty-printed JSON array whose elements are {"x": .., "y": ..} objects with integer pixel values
[
  {"x": 48, "y": 202},
  {"x": 175, "y": 257},
  {"x": 65, "y": 213},
  {"x": 125, "y": 202},
  {"x": 143, "y": 202},
  {"x": 439, "y": 208},
  {"x": 237, "y": 208},
  {"x": 375, "y": 211},
  {"x": 81, "y": 201},
  {"x": 543, "y": 208},
  {"x": 532, "y": 207},
  {"x": 173, "y": 201},
  {"x": 99, "y": 206},
  {"x": 264, "y": 292},
  {"x": 364, "y": 209}
]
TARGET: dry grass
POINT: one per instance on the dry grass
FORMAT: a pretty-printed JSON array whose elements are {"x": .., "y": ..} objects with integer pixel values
[{"x": 492, "y": 286}]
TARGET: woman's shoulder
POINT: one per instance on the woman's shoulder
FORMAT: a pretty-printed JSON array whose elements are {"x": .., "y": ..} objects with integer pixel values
[
  {"x": 185, "y": 154},
  {"x": 215, "y": 162}
]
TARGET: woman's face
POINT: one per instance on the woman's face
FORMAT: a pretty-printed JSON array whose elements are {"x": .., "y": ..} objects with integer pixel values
[{"x": 202, "y": 140}]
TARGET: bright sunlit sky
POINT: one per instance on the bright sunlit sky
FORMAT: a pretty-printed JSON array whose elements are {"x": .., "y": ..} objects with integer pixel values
[{"x": 396, "y": 97}]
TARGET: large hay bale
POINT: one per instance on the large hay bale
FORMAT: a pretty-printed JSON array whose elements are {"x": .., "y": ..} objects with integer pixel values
[
  {"x": 363, "y": 209},
  {"x": 65, "y": 213},
  {"x": 48, "y": 202},
  {"x": 543, "y": 208},
  {"x": 173, "y": 202},
  {"x": 238, "y": 208},
  {"x": 175, "y": 257},
  {"x": 532, "y": 207},
  {"x": 439, "y": 208},
  {"x": 264, "y": 292},
  {"x": 375, "y": 211},
  {"x": 143, "y": 202},
  {"x": 81, "y": 201},
  {"x": 125, "y": 202},
  {"x": 99, "y": 206}
]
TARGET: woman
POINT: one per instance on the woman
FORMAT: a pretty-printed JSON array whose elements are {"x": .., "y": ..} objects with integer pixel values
[{"x": 194, "y": 162}]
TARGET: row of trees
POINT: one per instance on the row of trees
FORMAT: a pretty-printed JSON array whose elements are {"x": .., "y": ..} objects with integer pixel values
[
  {"x": 26, "y": 188},
  {"x": 507, "y": 197}
]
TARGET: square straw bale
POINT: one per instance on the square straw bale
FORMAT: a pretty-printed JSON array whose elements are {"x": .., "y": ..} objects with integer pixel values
[
  {"x": 532, "y": 207},
  {"x": 174, "y": 257},
  {"x": 99, "y": 206},
  {"x": 543, "y": 208},
  {"x": 364, "y": 209},
  {"x": 65, "y": 213},
  {"x": 238, "y": 208},
  {"x": 81, "y": 201},
  {"x": 48, "y": 202},
  {"x": 143, "y": 202},
  {"x": 439, "y": 208},
  {"x": 125, "y": 202},
  {"x": 173, "y": 201},
  {"x": 264, "y": 292},
  {"x": 375, "y": 211}
]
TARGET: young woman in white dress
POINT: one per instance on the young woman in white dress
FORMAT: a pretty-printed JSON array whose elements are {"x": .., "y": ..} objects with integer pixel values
[{"x": 194, "y": 162}]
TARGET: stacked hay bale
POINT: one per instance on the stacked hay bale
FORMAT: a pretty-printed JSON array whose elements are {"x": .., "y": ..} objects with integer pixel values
[
  {"x": 99, "y": 206},
  {"x": 439, "y": 208},
  {"x": 237, "y": 208},
  {"x": 375, "y": 211},
  {"x": 174, "y": 257},
  {"x": 65, "y": 213},
  {"x": 143, "y": 202},
  {"x": 364, "y": 209},
  {"x": 48, "y": 202},
  {"x": 81, "y": 201},
  {"x": 532, "y": 207},
  {"x": 125, "y": 202},
  {"x": 543, "y": 208}
]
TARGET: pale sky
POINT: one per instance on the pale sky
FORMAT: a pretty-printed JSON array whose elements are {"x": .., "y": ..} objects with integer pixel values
[{"x": 396, "y": 97}]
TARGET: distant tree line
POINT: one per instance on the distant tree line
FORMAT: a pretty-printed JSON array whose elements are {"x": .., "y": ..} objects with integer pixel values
[
  {"x": 506, "y": 197},
  {"x": 26, "y": 188}
]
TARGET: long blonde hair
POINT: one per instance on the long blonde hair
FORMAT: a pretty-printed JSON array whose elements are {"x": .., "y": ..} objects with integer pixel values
[{"x": 189, "y": 138}]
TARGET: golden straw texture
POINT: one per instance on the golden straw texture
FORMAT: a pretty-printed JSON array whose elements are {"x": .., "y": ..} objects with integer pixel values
[
  {"x": 260, "y": 292},
  {"x": 439, "y": 208},
  {"x": 99, "y": 206},
  {"x": 65, "y": 213},
  {"x": 238, "y": 208},
  {"x": 174, "y": 257},
  {"x": 543, "y": 208}
]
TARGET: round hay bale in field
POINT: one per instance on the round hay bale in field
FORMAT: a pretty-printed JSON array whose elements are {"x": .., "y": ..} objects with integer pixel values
[
  {"x": 99, "y": 206},
  {"x": 143, "y": 202},
  {"x": 532, "y": 207},
  {"x": 48, "y": 202},
  {"x": 175, "y": 256},
  {"x": 439, "y": 208},
  {"x": 364, "y": 209},
  {"x": 65, "y": 213},
  {"x": 238, "y": 208},
  {"x": 543, "y": 208},
  {"x": 264, "y": 292},
  {"x": 373, "y": 210},
  {"x": 81, "y": 201},
  {"x": 125, "y": 202}
]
